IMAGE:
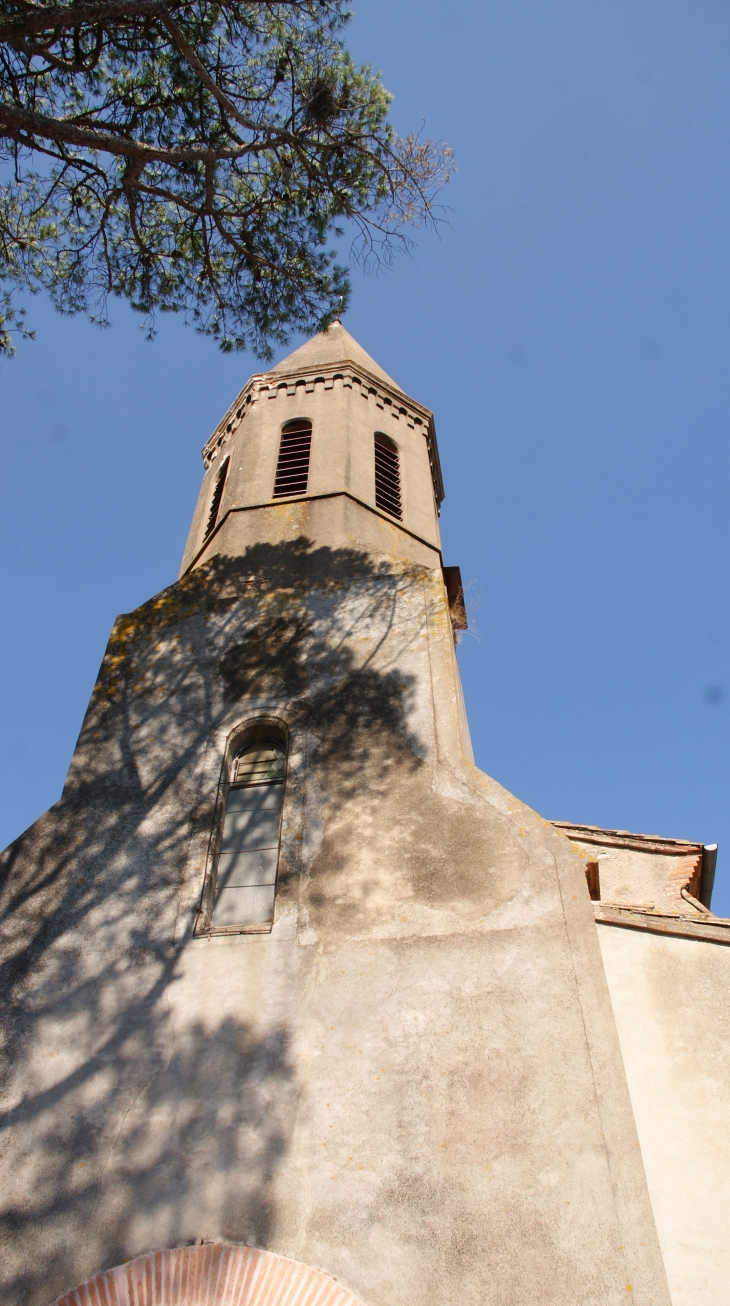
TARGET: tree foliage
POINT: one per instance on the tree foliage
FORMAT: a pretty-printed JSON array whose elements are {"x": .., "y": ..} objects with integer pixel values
[{"x": 197, "y": 158}]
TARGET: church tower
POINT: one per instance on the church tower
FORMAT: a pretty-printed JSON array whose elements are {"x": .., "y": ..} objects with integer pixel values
[{"x": 304, "y": 1007}]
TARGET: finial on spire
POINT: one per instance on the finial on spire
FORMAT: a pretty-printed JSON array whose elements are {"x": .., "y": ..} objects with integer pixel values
[{"x": 339, "y": 310}]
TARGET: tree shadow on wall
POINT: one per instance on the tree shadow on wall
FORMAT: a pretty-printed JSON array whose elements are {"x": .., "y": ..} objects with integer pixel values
[
  {"x": 120, "y": 1132},
  {"x": 124, "y": 1165}
]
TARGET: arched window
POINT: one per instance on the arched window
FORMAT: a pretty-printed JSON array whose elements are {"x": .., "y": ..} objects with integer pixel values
[
  {"x": 292, "y": 469},
  {"x": 245, "y": 883},
  {"x": 387, "y": 476},
  {"x": 215, "y": 503}
]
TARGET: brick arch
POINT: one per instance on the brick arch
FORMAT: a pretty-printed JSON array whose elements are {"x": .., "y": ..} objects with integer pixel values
[{"x": 215, "y": 1274}]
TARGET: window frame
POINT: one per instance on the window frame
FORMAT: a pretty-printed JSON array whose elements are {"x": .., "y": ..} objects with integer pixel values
[
  {"x": 290, "y": 428},
  {"x": 261, "y": 728},
  {"x": 388, "y": 443},
  {"x": 216, "y": 499}
]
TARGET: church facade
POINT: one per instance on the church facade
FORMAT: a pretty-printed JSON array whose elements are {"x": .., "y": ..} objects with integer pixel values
[{"x": 301, "y": 1006}]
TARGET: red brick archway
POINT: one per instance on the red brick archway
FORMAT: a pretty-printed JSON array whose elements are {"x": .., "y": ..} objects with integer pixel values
[{"x": 216, "y": 1274}]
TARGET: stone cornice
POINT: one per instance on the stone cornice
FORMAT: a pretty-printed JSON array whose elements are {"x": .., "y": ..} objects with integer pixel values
[{"x": 270, "y": 384}]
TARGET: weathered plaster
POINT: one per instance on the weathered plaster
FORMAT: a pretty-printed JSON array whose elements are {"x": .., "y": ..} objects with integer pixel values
[{"x": 395, "y": 1085}]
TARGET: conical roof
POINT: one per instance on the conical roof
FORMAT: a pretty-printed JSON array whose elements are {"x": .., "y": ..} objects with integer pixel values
[{"x": 335, "y": 345}]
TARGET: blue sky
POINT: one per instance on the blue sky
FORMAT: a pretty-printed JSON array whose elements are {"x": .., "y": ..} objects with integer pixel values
[{"x": 570, "y": 329}]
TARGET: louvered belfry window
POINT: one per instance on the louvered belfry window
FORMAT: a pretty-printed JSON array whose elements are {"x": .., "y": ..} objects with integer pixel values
[
  {"x": 215, "y": 503},
  {"x": 387, "y": 476},
  {"x": 249, "y": 851},
  {"x": 292, "y": 469}
]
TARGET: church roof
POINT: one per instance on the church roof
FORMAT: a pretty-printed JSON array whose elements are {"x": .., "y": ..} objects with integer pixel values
[{"x": 335, "y": 345}]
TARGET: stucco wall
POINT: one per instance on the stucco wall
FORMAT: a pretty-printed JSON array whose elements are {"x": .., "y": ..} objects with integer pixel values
[
  {"x": 324, "y": 522},
  {"x": 671, "y": 997},
  {"x": 414, "y": 1083}
]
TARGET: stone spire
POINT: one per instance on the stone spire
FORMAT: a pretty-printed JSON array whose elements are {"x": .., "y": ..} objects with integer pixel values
[{"x": 335, "y": 345}]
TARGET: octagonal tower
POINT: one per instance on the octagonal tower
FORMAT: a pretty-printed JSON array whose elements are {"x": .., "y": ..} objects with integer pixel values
[{"x": 333, "y": 385}]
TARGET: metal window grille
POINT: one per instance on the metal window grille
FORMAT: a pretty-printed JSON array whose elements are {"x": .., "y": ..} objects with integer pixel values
[
  {"x": 215, "y": 503},
  {"x": 292, "y": 469},
  {"x": 387, "y": 477},
  {"x": 249, "y": 851}
]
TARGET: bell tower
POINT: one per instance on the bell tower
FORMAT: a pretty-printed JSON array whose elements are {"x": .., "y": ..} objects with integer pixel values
[
  {"x": 360, "y": 461},
  {"x": 303, "y": 1006}
]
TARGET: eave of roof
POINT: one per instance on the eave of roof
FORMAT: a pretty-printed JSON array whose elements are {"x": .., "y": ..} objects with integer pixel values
[{"x": 645, "y": 843}]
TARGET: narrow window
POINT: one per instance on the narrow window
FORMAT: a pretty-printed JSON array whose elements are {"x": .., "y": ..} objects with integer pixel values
[
  {"x": 387, "y": 476},
  {"x": 215, "y": 503},
  {"x": 249, "y": 851},
  {"x": 292, "y": 469}
]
